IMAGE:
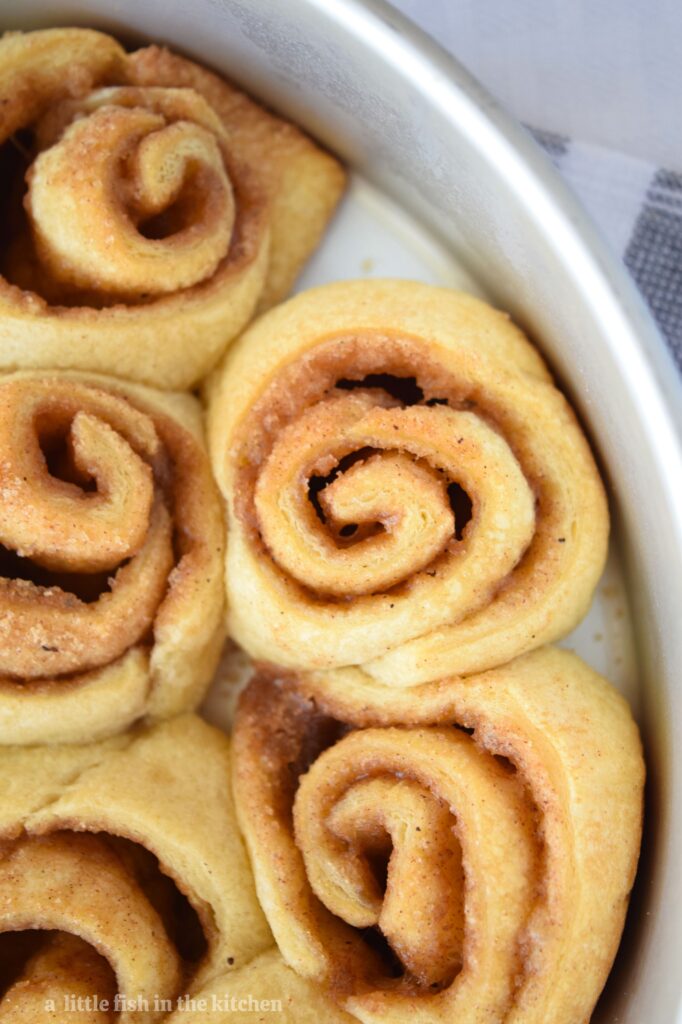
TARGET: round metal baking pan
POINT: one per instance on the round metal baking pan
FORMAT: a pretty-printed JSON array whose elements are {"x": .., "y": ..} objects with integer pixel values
[{"x": 411, "y": 120}]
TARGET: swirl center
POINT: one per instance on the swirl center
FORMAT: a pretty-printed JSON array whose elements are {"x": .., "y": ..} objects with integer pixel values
[
  {"x": 381, "y": 512},
  {"x": 130, "y": 195}
]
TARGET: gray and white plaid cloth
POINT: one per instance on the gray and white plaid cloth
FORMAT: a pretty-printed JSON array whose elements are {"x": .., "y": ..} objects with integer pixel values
[{"x": 638, "y": 207}]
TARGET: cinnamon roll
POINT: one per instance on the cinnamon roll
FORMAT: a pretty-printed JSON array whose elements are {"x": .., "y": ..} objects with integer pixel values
[
  {"x": 123, "y": 878},
  {"x": 149, "y": 208},
  {"x": 470, "y": 862},
  {"x": 111, "y": 551},
  {"x": 407, "y": 490}
]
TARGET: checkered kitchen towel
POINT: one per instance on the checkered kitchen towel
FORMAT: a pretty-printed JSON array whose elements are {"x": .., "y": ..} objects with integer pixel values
[{"x": 639, "y": 208}]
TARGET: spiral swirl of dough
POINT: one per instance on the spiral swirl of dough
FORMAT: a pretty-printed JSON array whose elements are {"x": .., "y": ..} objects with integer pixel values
[
  {"x": 91, "y": 895},
  {"x": 147, "y": 207},
  {"x": 407, "y": 491},
  {"x": 128, "y": 155},
  {"x": 111, "y": 544},
  {"x": 114, "y": 887},
  {"x": 424, "y": 872}
]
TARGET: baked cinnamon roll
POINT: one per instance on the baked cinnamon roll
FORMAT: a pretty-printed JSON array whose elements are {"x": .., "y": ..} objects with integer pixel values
[
  {"x": 149, "y": 208},
  {"x": 111, "y": 551},
  {"x": 468, "y": 861},
  {"x": 407, "y": 490},
  {"x": 123, "y": 879}
]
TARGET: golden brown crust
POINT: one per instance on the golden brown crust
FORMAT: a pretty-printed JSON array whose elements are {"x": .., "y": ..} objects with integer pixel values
[
  {"x": 193, "y": 204},
  {"x": 494, "y": 860},
  {"x": 111, "y": 532}
]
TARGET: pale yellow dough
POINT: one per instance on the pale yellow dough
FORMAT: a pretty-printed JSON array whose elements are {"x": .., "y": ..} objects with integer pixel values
[
  {"x": 153, "y": 208},
  {"x": 344, "y": 548},
  {"x": 264, "y": 990}
]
